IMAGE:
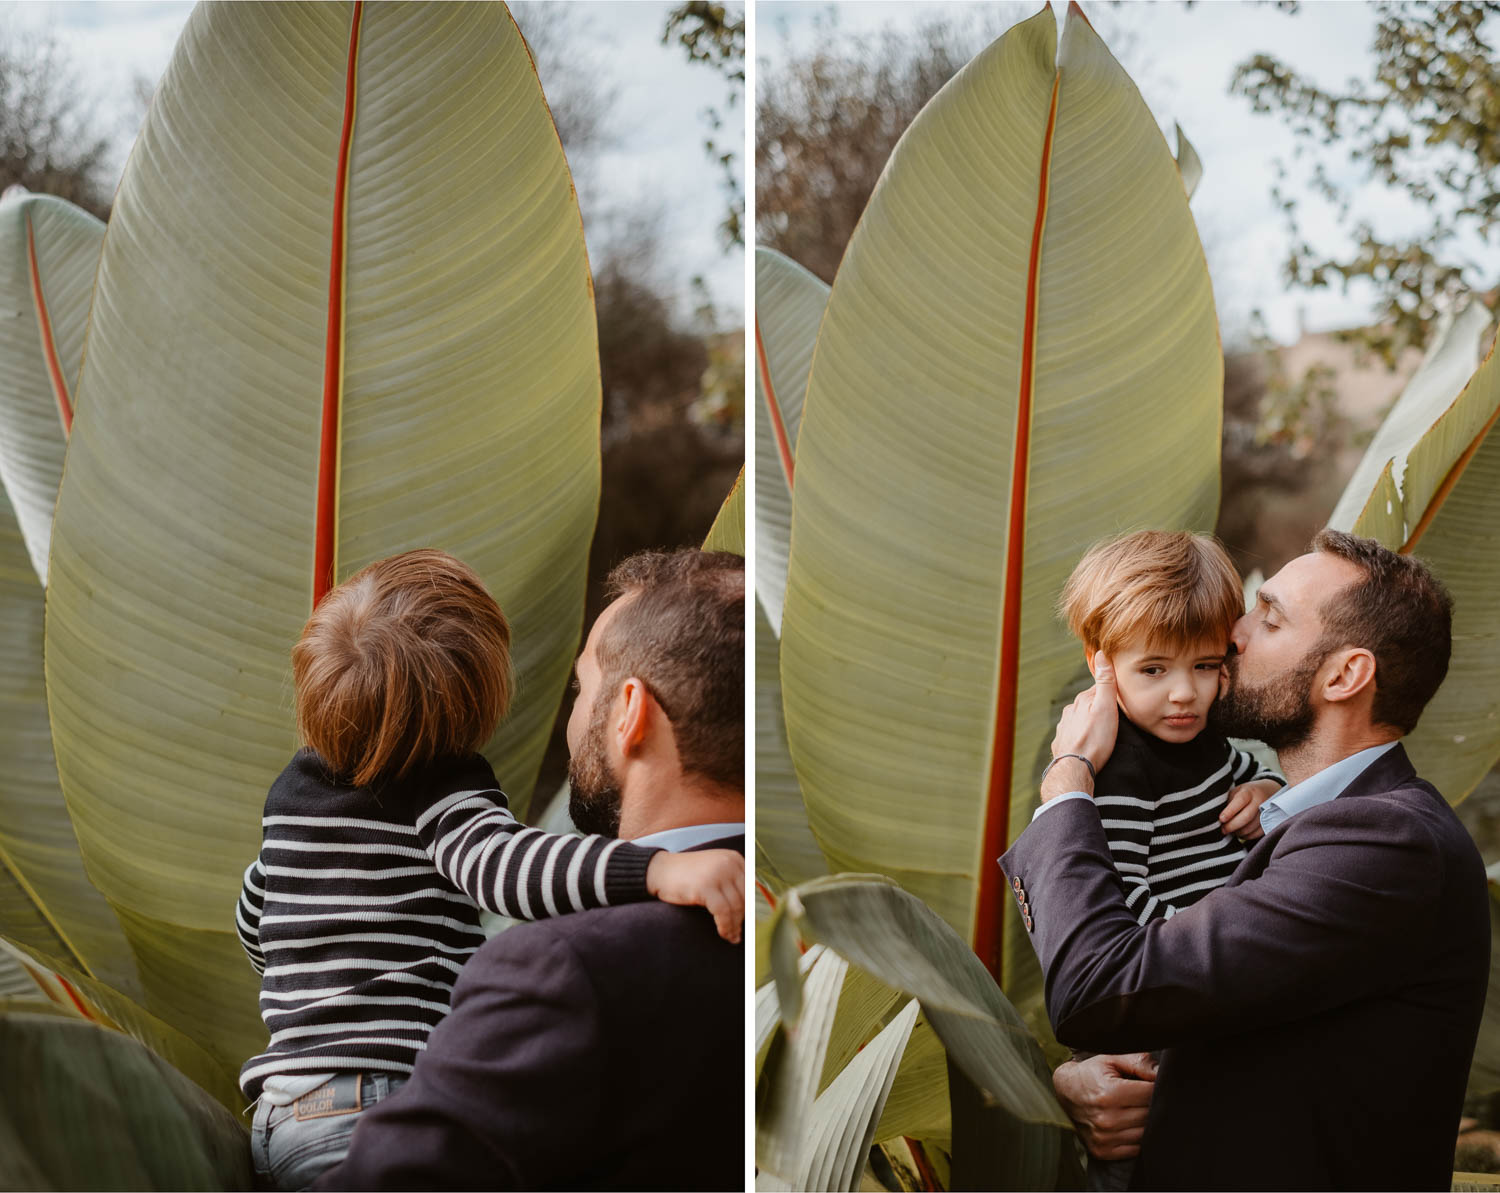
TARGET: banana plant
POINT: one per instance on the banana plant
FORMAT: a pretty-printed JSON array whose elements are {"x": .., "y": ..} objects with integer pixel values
[
  {"x": 148, "y": 1127},
  {"x": 49, "y": 252},
  {"x": 1429, "y": 483},
  {"x": 727, "y": 533},
  {"x": 789, "y": 304},
  {"x": 1019, "y": 356},
  {"x": 48, "y": 906},
  {"x": 298, "y": 362},
  {"x": 886, "y": 991}
]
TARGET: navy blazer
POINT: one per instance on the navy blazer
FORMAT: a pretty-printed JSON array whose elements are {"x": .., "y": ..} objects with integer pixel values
[
  {"x": 599, "y": 1050},
  {"x": 1318, "y": 1012}
]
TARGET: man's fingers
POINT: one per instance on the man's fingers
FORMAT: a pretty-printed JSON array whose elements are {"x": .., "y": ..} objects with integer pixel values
[
  {"x": 1125, "y": 1146},
  {"x": 1104, "y": 672},
  {"x": 1140, "y": 1065}
]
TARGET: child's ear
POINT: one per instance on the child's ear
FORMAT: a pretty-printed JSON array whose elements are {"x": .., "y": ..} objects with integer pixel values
[{"x": 1088, "y": 657}]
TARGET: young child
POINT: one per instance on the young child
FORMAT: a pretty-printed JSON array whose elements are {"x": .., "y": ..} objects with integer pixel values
[
  {"x": 384, "y": 838},
  {"x": 1176, "y": 799}
]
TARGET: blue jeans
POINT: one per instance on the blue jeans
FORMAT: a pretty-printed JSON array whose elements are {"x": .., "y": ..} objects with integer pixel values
[{"x": 294, "y": 1145}]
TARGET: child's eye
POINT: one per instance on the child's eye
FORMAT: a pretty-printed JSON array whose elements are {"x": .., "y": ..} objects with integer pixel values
[
  {"x": 1208, "y": 666},
  {"x": 1153, "y": 671}
]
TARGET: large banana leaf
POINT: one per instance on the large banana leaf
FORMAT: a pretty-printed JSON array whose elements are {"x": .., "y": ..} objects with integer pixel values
[
  {"x": 1430, "y": 485},
  {"x": 343, "y": 309},
  {"x": 893, "y": 936},
  {"x": 47, "y": 904},
  {"x": 1019, "y": 356},
  {"x": 49, "y": 250},
  {"x": 789, "y": 304},
  {"x": 85, "y": 1108},
  {"x": 1484, "y": 1073}
]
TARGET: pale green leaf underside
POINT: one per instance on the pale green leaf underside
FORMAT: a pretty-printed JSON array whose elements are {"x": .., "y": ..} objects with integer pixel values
[
  {"x": 1458, "y": 738},
  {"x": 844, "y": 1118},
  {"x": 780, "y": 1132},
  {"x": 1429, "y": 396},
  {"x": 780, "y": 818},
  {"x": 789, "y": 304},
  {"x": 182, "y": 556},
  {"x": 892, "y": 936},
  {"x": 890, "y": 650},
  {"x": 32, "y": 439}
]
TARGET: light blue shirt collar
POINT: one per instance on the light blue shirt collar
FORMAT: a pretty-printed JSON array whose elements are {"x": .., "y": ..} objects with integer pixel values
[
  {"x": 1327, "y": 784},
  {"x": 675, "y": 840}
]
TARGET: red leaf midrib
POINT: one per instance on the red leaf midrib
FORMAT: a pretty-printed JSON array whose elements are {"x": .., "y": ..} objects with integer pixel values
[
  {"x": 773, "y": 405},
  {"x": 988, "y": 925},
  {"x": 326, "y": 530},
  {"x": 49, "y": 343}
]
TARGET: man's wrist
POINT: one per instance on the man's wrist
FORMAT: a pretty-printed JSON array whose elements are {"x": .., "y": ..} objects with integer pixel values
[{"x": 1065, "y": 775}]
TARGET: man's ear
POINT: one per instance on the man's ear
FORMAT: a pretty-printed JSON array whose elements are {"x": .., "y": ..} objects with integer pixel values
[
  {"x": 1353, "y": 673},
  {"x": 637, "y": 708}
]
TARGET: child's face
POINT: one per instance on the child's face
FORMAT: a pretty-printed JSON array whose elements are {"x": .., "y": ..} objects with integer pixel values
[{"x": 1167, "y": 692}]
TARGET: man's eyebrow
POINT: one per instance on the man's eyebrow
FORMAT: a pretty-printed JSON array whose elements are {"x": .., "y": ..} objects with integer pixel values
[{"x": 1269, "y": 598}]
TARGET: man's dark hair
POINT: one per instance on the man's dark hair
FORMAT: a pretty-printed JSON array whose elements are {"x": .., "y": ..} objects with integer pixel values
[
  {"x": 682, "y": 633},
  {"x": 1401, "y": 613}
]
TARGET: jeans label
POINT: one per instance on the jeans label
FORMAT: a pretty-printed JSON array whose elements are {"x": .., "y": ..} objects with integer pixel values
[{"x": 339, "y": 1096}]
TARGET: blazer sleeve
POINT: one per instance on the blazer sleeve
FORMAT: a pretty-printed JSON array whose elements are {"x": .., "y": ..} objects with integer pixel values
[
  {"x": 506, "y": 1076},
  {"x": 1323, "y": 924}
]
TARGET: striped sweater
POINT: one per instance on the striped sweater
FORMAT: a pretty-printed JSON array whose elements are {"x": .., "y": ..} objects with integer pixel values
[
  {"x": 364, "y": 905},
  {"x": 1159, "y": 803}
]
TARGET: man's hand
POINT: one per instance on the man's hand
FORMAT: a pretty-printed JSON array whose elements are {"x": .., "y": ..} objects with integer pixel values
[
  {"x": 1088, "y": 727},
  {"x": 1108, "y": 1097},
  {"x": 711, "y": 878},
  {"x": 1241, "y": 815}
]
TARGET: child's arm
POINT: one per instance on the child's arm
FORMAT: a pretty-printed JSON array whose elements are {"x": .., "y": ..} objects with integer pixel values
[
  {"x": 247, "y": 914},
  {"x": 528, "y": 874}
]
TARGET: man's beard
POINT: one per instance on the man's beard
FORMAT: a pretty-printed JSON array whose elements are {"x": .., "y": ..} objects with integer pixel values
[
  {"x": 594, "y": 795},
  {"x": 1279, "y": 713}
]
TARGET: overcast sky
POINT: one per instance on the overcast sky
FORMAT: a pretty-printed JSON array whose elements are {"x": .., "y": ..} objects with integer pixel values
[
  {"x": 658, "y": 160},
  {"x": 1183, "y": 58}
]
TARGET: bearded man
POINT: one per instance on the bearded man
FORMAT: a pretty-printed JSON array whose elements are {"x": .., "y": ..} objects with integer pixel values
[
  {"x": 1319, "y": 1011},
  {"x": 606, "y": 1049}
]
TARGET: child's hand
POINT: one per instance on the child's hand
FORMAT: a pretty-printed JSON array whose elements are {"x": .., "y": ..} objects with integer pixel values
[
  {"x": 1241, "y": 815},
  {"x": 711, "y": 878}
]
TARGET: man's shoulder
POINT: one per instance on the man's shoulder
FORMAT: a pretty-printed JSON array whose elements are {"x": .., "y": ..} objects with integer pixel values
[
  {"x": 1390, "y": 804},
  {"x": 644, "y": 943}
]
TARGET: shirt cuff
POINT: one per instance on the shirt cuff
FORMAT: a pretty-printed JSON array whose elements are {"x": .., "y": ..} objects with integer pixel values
[{"x": 1052, "y": 803}]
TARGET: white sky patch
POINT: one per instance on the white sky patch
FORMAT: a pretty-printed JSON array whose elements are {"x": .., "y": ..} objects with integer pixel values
[
  {"x": 660, "y": 96},
  {"x": 1183, "y": 60}
]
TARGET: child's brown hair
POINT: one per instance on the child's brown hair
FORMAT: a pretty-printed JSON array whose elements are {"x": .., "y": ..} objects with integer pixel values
[
  {"x": 1174, "y": 587},
  {"x": 406, "y": 661}
]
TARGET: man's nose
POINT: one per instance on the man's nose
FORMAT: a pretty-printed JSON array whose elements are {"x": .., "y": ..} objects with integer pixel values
[{"x": 1240, "y": 634}]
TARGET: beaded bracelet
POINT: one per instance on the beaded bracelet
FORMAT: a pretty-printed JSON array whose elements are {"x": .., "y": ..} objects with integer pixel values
[{"x": 1093, "y": 774}]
